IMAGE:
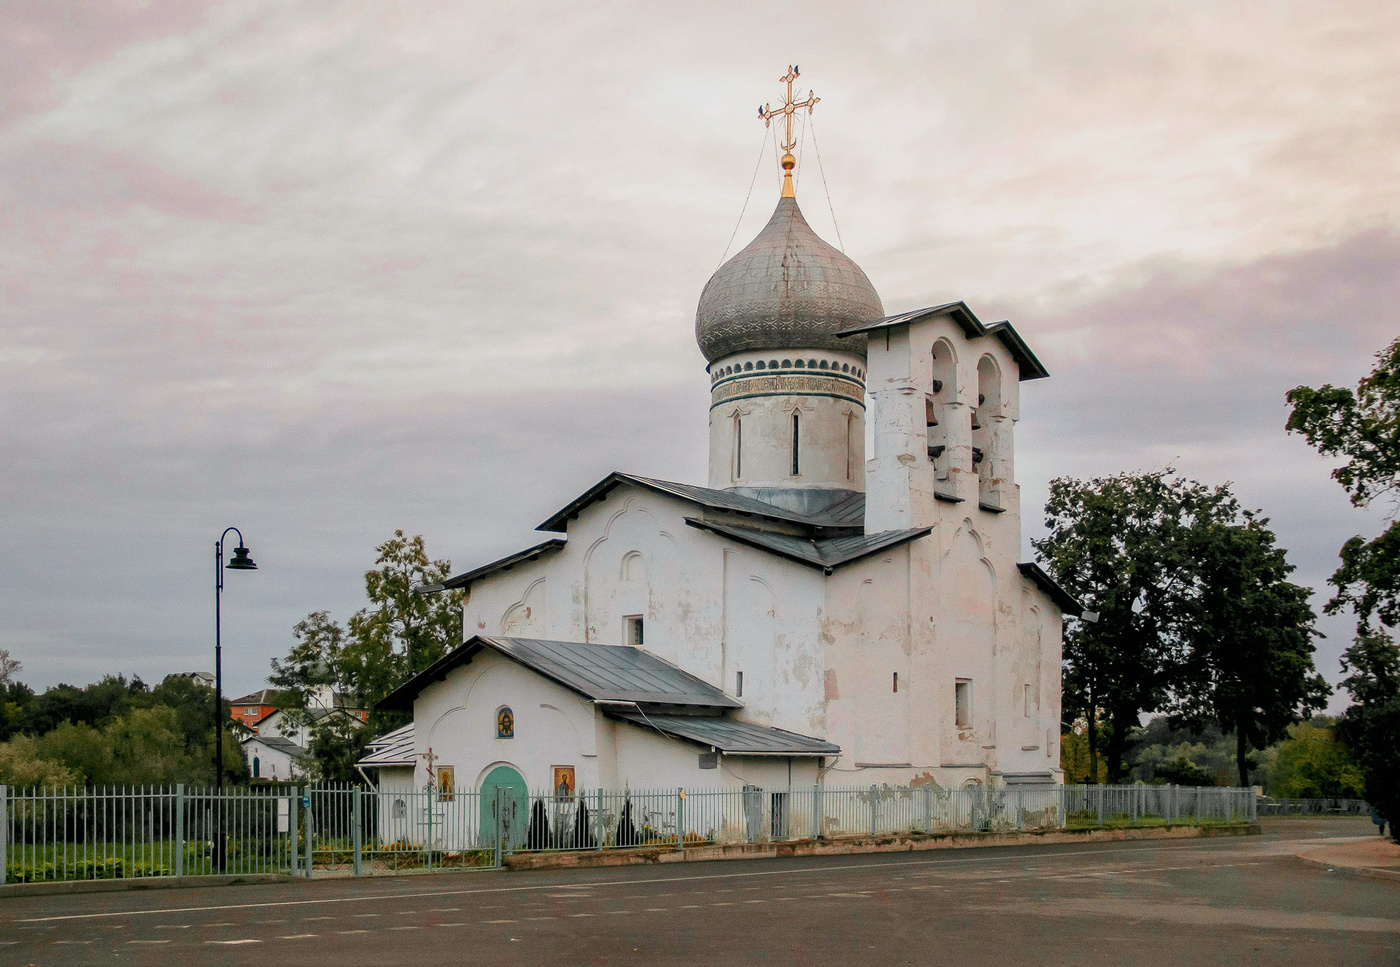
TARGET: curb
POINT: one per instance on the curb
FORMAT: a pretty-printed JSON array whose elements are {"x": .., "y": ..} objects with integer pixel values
[
  {"x": 903, "y": 843},
  {"x": 1368, "y": 872},
  {"x": 142, "y": 883}
]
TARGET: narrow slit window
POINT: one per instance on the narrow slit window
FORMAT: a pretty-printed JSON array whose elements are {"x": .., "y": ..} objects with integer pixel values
[
  {"x": 1026, "y": 701},
  {"x": 962, "y": 702},
  {"x": 796, "y": 447},
  {"x": 738, "y": 684},
  {"x": 850, "y": 420},
  {"x": 738, "y": 446},
  {"x": 896, "y": 681}
]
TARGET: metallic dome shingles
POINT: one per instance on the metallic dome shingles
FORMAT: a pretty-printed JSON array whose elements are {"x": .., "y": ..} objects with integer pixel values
[{"x": 786, "y": 290}]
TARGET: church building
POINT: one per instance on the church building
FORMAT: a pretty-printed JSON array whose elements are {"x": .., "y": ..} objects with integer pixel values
[{"x": 814, "y": 613}]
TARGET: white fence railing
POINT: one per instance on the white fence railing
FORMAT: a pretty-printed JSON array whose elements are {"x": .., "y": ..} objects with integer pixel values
[{"x": 68, "y": 834}]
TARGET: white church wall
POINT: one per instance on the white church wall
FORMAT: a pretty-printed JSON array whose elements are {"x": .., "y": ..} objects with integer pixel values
[
  {"x": 456, "y": 719},
  {"x": 710, "y": 606},
  {"x": 865, "y": 629}
]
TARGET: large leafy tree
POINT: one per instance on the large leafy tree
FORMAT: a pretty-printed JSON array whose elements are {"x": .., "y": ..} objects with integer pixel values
[
  {"x": 1371, "y": 726},
  {"x": 1364, "y": 427},
  {"x": 1248, "y": 661},
  {"x": 397, "y": 635},
  {"x": 1123, "y": 546}
]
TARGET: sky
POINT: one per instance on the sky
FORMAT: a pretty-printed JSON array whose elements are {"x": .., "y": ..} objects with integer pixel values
[{"x": 327, "y": 270}]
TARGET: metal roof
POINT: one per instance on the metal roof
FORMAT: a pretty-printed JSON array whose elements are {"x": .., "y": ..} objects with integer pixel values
[
  {"x": 826, "y": 554},
  {"x": 1065, "y": 601},
  {"x": 731, "y": 736},
  {"x": 392, "y": 749},
  {"x": 603, "y": 673},
  {"x": 280, "y": 743},
  {"x": 845, "y": 513},
  {"x": 1030, "y": 367},
  {"x": 786, "y": 289},
  {"x": 505, "y": 563}
]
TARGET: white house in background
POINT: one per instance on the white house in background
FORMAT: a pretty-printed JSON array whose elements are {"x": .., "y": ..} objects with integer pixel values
[
  {"x": 816, "y": 613},
  {"x": 274, "y": 758}
]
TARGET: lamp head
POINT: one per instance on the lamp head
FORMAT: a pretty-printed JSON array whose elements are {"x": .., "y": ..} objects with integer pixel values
[{"x": 241, "y": 561}]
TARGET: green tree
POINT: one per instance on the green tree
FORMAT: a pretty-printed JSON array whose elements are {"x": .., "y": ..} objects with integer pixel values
[
  {"x": 1122, "y": 545},
  {"x": 1248, "y": 661},
  {"x": 1314, "y": 762},
  {"x": 398, "y": 635},
  {"x": 1364, "y": 427},
  {"x": 1371, "y": 726},
  {"x": 23, "y": 767}
]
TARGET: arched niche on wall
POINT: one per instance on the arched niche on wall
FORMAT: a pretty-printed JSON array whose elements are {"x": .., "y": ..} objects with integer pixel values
[
  {"x": 986, "y": 458},
  {"x": 939, "y": 406}
]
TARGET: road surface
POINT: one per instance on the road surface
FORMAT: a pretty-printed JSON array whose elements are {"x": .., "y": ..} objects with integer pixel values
[{"x": 1237, "y": 901}]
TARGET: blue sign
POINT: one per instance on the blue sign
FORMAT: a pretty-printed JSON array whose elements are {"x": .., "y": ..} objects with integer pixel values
[{"x": 306, "y": 802}]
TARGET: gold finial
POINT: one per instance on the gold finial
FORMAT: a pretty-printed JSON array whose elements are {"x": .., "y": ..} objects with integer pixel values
[{"x": 766, "y": 114}]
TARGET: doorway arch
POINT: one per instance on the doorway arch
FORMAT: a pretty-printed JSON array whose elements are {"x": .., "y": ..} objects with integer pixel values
[{"x": 514, "y": 802}]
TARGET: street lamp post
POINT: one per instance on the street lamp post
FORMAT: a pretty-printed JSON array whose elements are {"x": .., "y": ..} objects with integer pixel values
[{"x": 241, "y": 562}]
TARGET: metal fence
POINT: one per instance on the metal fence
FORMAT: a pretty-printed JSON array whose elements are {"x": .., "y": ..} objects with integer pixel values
[
  {"x": 74, "y": 834},
  {"x": 1313, "y": 807}
]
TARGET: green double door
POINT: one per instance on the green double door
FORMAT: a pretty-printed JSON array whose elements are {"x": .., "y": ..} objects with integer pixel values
[{"x": 514, "y": 804}]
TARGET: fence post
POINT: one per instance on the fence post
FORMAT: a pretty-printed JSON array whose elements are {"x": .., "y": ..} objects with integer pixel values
[
  {"x": 310, "y": 829},
  {"x": 816, "y": 811},
  {"x": 873, "y": 807},
  {"x": 1020, "y": 808},
  {"x": 680, "y": 818},
  {"x": 358, "y": 835},
  {"x": 292, "y": 821},
  {"x": 599, "y": 814},
  {"x": 1135, "y": 802},
  {"x": 928, "y": 809},
  {"x": 4, "y": 832},
  {"x": 179, "y": 829},
  {"x": 1099, "y": 797}
]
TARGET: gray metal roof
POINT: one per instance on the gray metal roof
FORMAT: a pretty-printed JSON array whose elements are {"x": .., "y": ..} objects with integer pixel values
[
  {"x": 787, "y": 289},
  {"x": 826, "y": 554},
  {"x": 731, "y": 736},
  {"x": 844, "y": 513},
  {"x": 603, "y": 673},
  {"x": 1030, "y": 367},
  {"x": 506, "y": 563},
  {"x": 391, "y": 749},
  {"x": 280, "y": 743}
]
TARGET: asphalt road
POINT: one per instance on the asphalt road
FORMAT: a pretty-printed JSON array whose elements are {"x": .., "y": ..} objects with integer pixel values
[{"x": 1238, "y": 901}]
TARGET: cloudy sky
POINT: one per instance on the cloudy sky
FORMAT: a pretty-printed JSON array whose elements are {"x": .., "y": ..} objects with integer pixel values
[{"x": 324, "y": 270}]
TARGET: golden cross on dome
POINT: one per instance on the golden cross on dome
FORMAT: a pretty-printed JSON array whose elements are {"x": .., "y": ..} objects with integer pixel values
[{"x": 787, "y": 109}]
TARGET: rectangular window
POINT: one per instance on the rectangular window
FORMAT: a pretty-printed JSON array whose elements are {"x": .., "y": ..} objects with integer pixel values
[
  {"x": 632, "y": 630},
  {"x": 962, "y": 702},
  {"x": 896, "y": 681},
  {"x": 1026, "y": 701},
  {"x": 738, "y": 447},
  {"x": 796, "y": 429},
  {"x": 738, "y": 684}
]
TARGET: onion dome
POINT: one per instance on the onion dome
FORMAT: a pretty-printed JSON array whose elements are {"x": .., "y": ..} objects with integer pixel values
[{"x": 786, "y": 290}]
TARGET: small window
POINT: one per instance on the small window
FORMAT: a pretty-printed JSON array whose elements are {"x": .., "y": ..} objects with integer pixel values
[
  {"x": 632, "y": 630},
  {"x": 505, "y": 723},
  {"x": 738, "y": 446},
  {"x": 962, "y": 702},
  {"x": 257, "y": 768},
  {"x": 738, "y": 684},
  {"x": 1026, "y": 701},
  {"x": 796, "y": 444},
  {"x": 896, "y": 681}
]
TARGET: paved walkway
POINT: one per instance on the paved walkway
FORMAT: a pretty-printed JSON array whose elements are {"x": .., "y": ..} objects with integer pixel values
[{"x": 1374, "y": 855}]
